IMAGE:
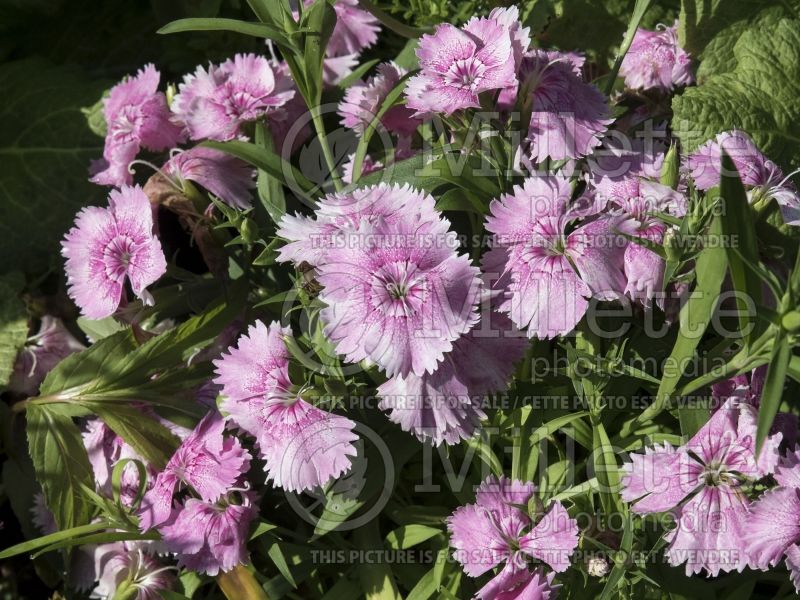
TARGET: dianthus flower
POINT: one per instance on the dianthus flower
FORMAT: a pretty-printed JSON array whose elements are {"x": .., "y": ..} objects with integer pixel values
[
  {"x": 397, "y": 293},
  {"x": 136, "y": 115},
  {"x": 215, "y": 103},
  {"x": 304, "y": 446},
  {"x": 207, "y": 461},
  {"x": 459, "y": 64},
  {"x": 552, "y": 273},
  {"x": 701, "y": 482},
  {"x": 655, "y": 60},
  {"x": 225, "y": 176},
  {"x": 129, "y": 566},
  {"x": 356, "y": 29},
  {"x": 495, "y": 531},
  {"x": 445, "y": 406},
  {"x": 109, "y": 245}
]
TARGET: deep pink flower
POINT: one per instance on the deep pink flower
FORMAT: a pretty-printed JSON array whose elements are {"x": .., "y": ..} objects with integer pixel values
[
  {"x": 546, "y": 293},
  {"x": 211, "y": 537},
  {"x": 207, "y": 461},
  {"x": 445, "y": 406},
  {"x": 41, "y": 353},
  {"x": 655, "y": 60},
  {"x": 701, "y": 482},
  {"x": 362, "y": 102},
  {"x": 215, "y": 103},
  {"x": 225, "y": 176},
  {"x": 136, "y": 115},
  {"x": 569, "y": 116},
  {"x": 459, "y": 64},
  {"x": 303, "y": 446},
  {"x": 109, "y": 245},
  {"x": 494, "y": 531},
  {"x": 397, "y": 293}
]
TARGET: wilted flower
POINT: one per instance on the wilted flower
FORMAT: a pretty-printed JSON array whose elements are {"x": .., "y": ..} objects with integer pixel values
[
  {"x": 215, "y": 103},
  {"x": 137, "y": 116},
  {"x": 397, "y": 293},
  {"x": 209, "y": 537},
  {"x": 553, "y": 273},
  {"x": 459, "y": 64},
  {"x": 709, "y": 470},
  {"x": 445, "y": 406},
  {"x": 303, "y": 446},
  {"x": 227, "y": 177},
  {"x": 656, "y": 61},
  {"x": 109, "y": 245},
  {"x": 207, "y": 461}
]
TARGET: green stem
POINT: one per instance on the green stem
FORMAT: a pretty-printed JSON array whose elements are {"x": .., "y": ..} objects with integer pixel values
[{"x": 326, "y": 149}]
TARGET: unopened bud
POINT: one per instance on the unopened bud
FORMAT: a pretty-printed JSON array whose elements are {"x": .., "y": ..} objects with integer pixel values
[
  {"x": 670, "y": 169},
  {"x": 249, "y": 230}
]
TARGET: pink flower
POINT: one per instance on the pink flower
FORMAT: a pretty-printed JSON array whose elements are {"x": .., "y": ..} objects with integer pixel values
[
  {"x": 701, "y": 482},
  {"x": 397, "y": 293},
  {"x": 124, "y": 562},
  {"x": 445, "y": 406},
  {"x": 459, "y": 64},
  {"x": 109, "y": 245},
  {"x": 355, "y": 30},
  {"x": 656, "y": 61},
  {"x": 287, "y": 134},
  {"x": 216, "y": 103},
  {"x": 211, "y": 537},
  {"x": 303, "y": 446},
  {"x": 225, "y": 176},
  {"x": 494, "y": 531},
  {"x": 569, "y": 116},
  {"x": 341, "y": 213},
  {"x": 362, "y": 102},
  {"x": 546, "y": 293},
  {"x": 137, "y": 116},
  {"x": 207, "y": 461},
  {"x": 41, "y": 353},
  {"x": 520, "y": 584}
]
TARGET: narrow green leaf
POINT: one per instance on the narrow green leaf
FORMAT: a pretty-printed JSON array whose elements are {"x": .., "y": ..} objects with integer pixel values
[
  {"x": 377, "y": 579},
  {"x": 606, "y": 469},
  {"x": 278, "y": 558},
  {"x": 393, "y": 24},
  {"x": 53, "y": 538},
  {"x": 61, "y": 463},
  {"x": 639, "y": 9},
  {"x": 772, "y": 393},
  {"x": 270, "y": 189},
  {"x": 319, "y": 19},
  {"x": 408, "y": 536},
  {"x": 260, "y": 30}
]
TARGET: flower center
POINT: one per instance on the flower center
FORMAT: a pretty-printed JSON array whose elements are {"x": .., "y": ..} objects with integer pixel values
[
  {"x": 465, "y": 73},
  {"x": 117, "y": 256},
  {"x": 398, "y": 289}
]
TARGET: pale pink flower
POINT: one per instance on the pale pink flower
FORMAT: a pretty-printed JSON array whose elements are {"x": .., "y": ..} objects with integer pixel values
[
  {"x": 137, "y": 116},
  {"x": 215, "y": 103},
  {"x": 494, "y": 531},
  {"x": 356, "y": 29},
  {"x": 303, "y": 446},
  {"x": 43, "y": 351},
  {"x": 459, "y": 64},
  {"x": 552, "y": 273},
  {"x": 362, "y": 101},
  {"x": 341, "y": 213},
  {"x": 397, "y": 293},
  {"x": 126, "y": 562},
  {"x": 446, "y": 406},
  {"x": 207, "y": 461},
  {"x": 569, "y": 116},
  {"x": 655, "y": 60},
  {"x": 211, "y": 537},
  {"x": 109, "y": 245},
  {"x": 227, "y": 177},
  {"x": 701, "y": 483}
]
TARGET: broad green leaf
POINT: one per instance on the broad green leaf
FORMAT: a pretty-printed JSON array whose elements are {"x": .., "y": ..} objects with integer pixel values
[
  {"x": 13, "y": 324},
  {"x": 738, "y": 223},
  {"x": 408, "y": 536},
  {"x": 240, "y": 584},
  {"x": 44, "y": 156},
  {"x": 260, "y": 30},
  {"x": 701, "y": 20},
  {"x": 772, "y": 393},
  {"x": 756, "y": 95},
  {"x": 96, "y": 330},
  {"x": 61, "y": 464}
]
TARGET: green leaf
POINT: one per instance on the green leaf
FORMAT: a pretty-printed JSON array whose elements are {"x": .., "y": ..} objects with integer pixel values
[
  {"x": 319, "y": 19},
  {"x": 606, "y": 469},
  {"x": 701, "y": 20},
  {"x": 270, "y": 190},
  {"x": 618, "y": 572},
  {"x": 41, "y": 542},
  {"x": 408, "y": 536},
  {"x": 738, "y": 224},
  {"x": 61, "y": 463},
  {"x": 13, "y": 324},
  {"x": 757, "y": 95},
  {"x": 98, "y": 329},
  {"x": 772, "y": 393},
  {"x": 639, "y": 9},
  {"x": 44, "y": 156},
  {"x": 260, "y": 30}
]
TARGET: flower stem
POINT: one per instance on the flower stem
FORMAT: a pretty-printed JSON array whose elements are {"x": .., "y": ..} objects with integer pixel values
[{"x": 326, "y": 149}]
